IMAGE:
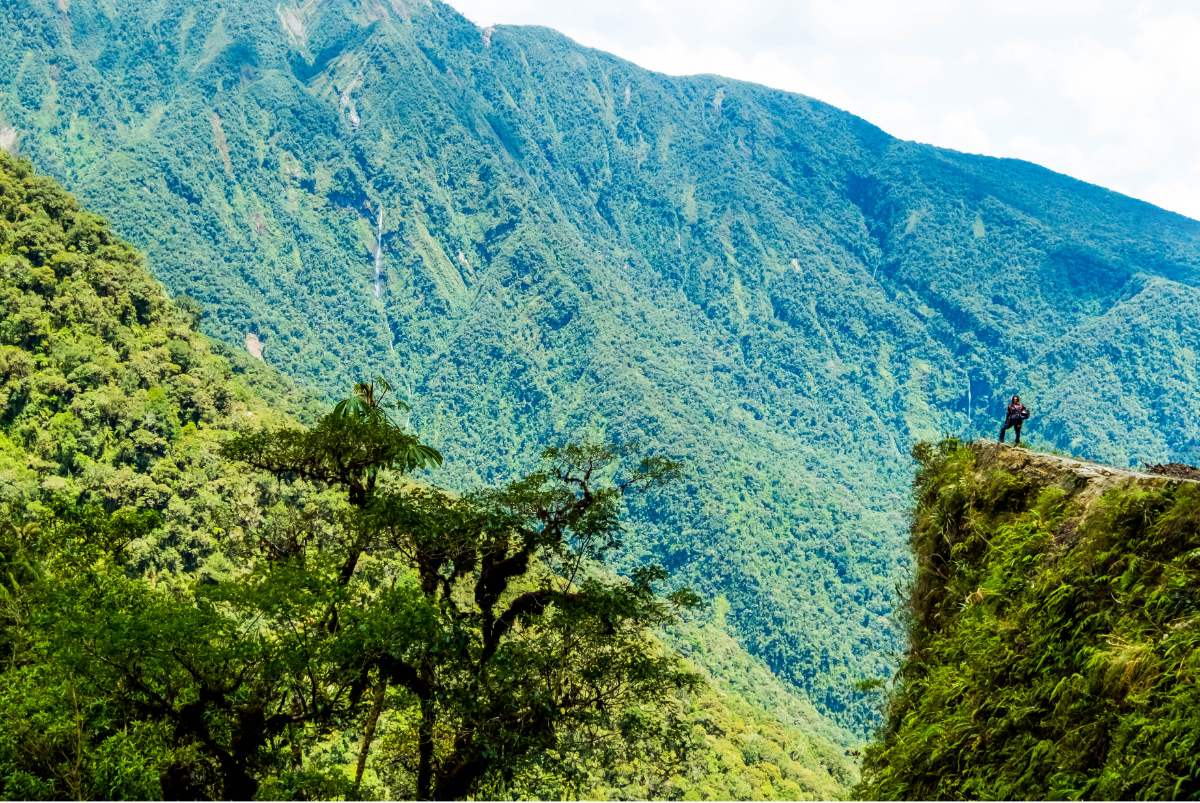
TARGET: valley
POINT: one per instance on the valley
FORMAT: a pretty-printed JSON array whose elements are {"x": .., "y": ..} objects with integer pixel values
[{"x": 536, "y": 242}]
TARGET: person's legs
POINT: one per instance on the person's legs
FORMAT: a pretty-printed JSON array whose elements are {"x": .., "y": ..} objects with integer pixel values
[
  {"x": 1017, "y": 430},
  {"x": 1003, "y": 429}
]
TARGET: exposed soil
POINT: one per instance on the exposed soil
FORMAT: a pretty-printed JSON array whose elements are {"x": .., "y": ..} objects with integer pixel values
[
  {"x": 1084, "y": 480},
  {"x": 1095, "y": 474},
  {"x": 1180, "y": 470},
  {"x": 254, "y": 346}
]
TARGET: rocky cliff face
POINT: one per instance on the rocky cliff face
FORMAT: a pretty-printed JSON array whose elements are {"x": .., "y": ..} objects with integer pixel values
[{"x": 1054, "y": 633}]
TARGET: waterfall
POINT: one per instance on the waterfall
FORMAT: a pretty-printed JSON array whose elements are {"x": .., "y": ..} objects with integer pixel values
[{"x": 378, "y": 253}]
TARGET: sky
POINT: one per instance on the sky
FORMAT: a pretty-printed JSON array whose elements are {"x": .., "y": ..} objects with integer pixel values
[{"x": 1106, "y": 91}]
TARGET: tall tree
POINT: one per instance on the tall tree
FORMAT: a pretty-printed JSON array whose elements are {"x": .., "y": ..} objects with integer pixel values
[{"x": 522, "y": 638}]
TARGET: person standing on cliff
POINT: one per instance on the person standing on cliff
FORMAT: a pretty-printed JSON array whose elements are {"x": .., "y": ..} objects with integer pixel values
[{"x": 1014, "y": 417}]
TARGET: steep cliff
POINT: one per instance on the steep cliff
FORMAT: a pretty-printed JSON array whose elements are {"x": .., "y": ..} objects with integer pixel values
[{"x": 1054, "y": 633}]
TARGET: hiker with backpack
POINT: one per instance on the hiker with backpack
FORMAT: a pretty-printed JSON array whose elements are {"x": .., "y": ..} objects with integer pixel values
[{"x": 1014, "y": 417}]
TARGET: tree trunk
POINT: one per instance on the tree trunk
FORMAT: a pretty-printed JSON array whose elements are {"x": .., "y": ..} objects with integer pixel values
[
  {"x": 461, "y": 780},
  {"x": 425, "y": 750},
  {"x": 369, "y": 733},
  {"x": 237, "y": 782}
]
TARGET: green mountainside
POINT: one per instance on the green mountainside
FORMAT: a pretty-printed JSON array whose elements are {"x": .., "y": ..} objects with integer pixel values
[
  {"x": 122, "y": 522},
  {"x": 535, "y": 240},
  {"x": 108, "y": 395},
  {"x": 1055, "y": 635}
]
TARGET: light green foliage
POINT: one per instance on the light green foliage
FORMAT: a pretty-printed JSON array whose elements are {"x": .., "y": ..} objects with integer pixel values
[
  {"x": 108, "y": 397},
  {"x": 1054, "y": 639},
  {"x": 744, "y": 735},
  {"x": 768, "y": 287},
  {"x": 174, "y": 623}
]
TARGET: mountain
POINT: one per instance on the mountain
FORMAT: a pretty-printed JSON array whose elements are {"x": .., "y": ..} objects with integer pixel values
[
  {"x": 113, "y": 410},
  {"x": 1055, "y": 634},
  {"x": 537, "y": 240}
]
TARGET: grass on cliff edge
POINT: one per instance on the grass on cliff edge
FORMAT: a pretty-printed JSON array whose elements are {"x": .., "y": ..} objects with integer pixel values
[{"x": 1052, "y": 654}]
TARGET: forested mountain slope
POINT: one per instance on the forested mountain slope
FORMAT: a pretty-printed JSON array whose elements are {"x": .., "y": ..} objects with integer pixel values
[
  {"x": 534, "y": 239},
  {"x": 108, "y": 396},
  {"x": 1055, "y": 634},
  {"x": 124, "y": 526}
]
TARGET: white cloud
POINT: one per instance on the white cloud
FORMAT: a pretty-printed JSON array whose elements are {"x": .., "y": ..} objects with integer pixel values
[{"x": 1105, "y": 90}]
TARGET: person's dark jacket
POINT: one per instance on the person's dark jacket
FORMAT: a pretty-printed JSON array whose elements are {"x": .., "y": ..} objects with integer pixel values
[{"x": 1017, "y": 413}]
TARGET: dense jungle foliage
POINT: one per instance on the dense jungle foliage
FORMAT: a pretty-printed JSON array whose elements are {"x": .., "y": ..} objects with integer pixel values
[
  {"x": 1055, "y": 626},
  {"x": 538, "y": 240},
  {"x": 202, "y": 597}
]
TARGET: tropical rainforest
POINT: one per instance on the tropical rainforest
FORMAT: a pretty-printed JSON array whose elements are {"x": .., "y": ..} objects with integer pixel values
[
  {"x": 521, "y": 244},
  {"x": 203, "y": 596}
]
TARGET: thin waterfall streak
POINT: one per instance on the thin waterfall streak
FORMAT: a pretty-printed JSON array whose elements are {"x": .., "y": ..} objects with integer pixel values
[{"x": 379, "y": 253}]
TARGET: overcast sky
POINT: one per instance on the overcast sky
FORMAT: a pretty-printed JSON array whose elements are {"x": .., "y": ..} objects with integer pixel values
[{"x": 1105, "y": 91}]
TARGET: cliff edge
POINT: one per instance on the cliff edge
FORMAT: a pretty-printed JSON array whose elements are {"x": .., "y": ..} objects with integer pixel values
[{"x": 1054, "y": 633}]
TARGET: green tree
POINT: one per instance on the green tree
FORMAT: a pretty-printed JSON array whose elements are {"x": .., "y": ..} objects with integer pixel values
[
  {"x": 519, "y": 640},
  {"x": 480, "y": 627}
]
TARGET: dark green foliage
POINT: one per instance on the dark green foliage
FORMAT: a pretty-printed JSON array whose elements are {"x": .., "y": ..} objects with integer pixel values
[
  {"x": 1055, "y": 635},
  {"x": 175, "y": 624},
  {"x": 107, "y": 397},
  {"x": 348, "y": 448},
  {"x": 504, "y": 643}
]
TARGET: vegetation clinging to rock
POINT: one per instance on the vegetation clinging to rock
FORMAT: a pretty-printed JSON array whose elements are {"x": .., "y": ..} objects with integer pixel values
[{"x": 1054, "y": 635}]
